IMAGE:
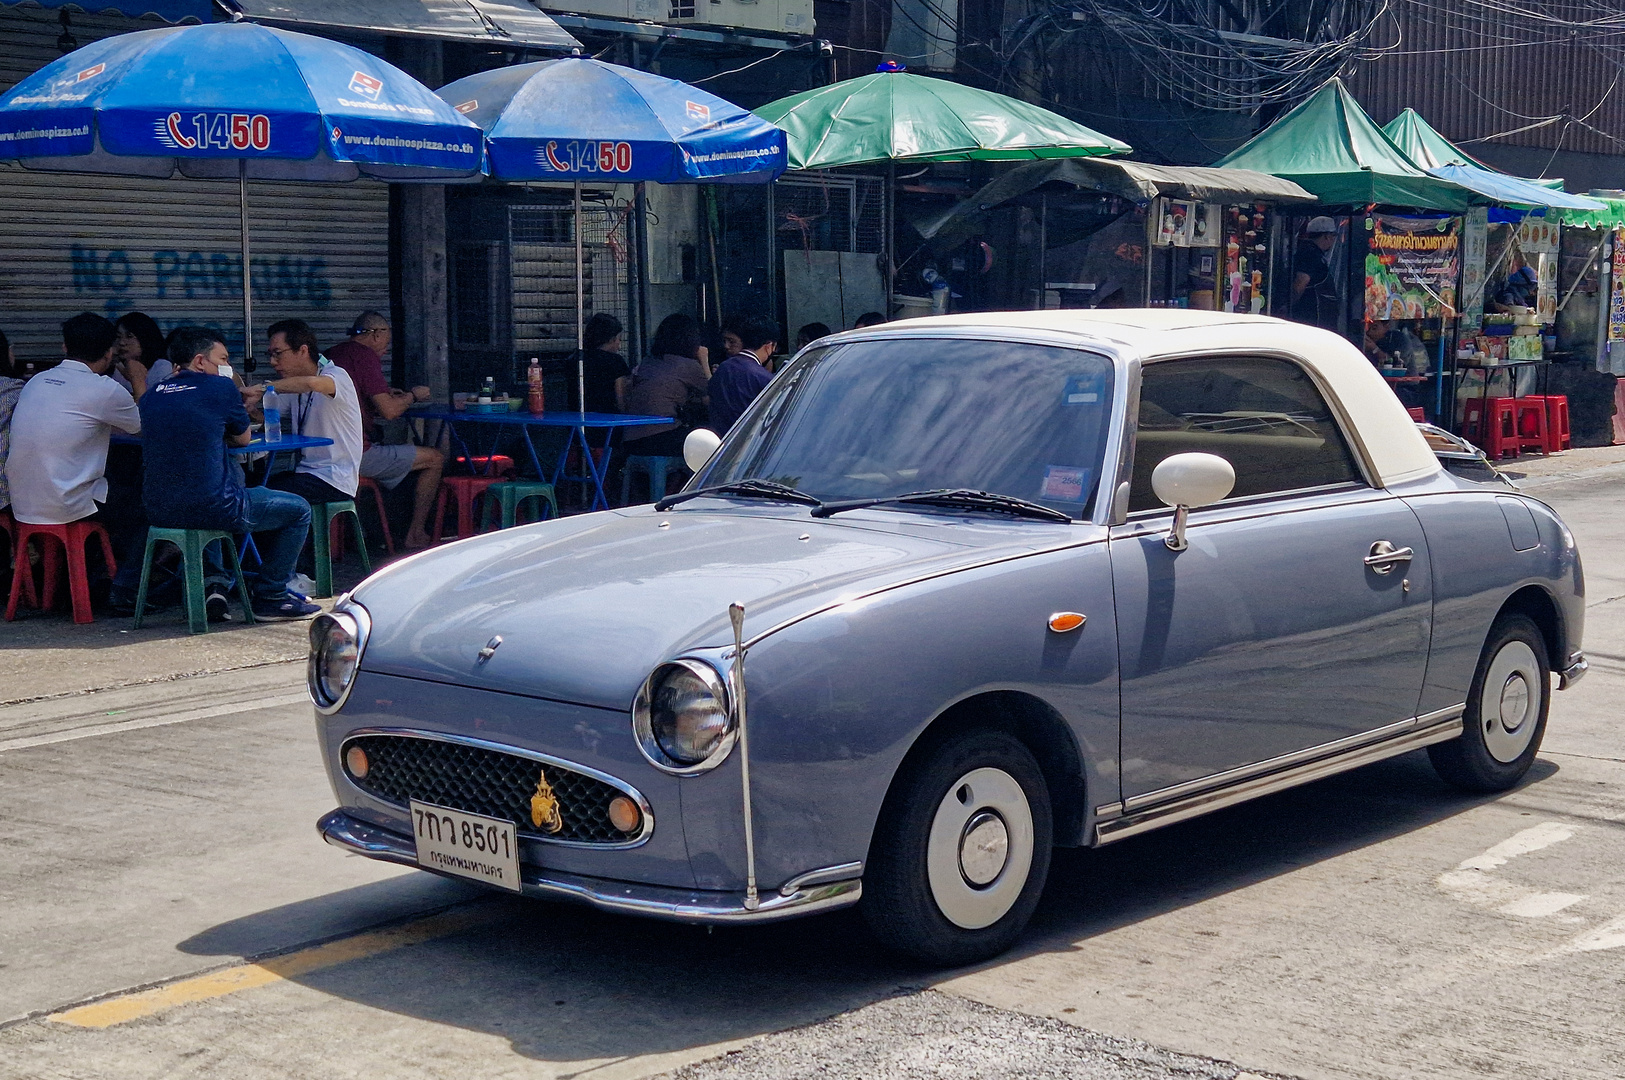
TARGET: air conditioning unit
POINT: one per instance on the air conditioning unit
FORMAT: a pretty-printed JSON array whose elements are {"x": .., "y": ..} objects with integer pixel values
[{"x": 772, "y": 16}]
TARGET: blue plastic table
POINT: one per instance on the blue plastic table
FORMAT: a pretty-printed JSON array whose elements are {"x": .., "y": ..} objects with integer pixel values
[
  {"x": 578, "y": 423},
  {"x": 286, "y": 444}
]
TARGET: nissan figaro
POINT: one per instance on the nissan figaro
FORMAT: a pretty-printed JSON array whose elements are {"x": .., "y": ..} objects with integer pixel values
[{"x": 952, "y": 592}]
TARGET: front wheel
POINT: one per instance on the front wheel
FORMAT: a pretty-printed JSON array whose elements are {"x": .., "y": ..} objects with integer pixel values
[
  {"x": 1506, "y": 711},
  {"x": 961, "y": 851}
]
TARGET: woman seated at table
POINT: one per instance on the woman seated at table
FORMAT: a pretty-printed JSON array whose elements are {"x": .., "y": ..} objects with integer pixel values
[
  {"x": 670, "y": 382},
  {"x": 139, "y": 341},
  {"x": 605, "y": 366}
]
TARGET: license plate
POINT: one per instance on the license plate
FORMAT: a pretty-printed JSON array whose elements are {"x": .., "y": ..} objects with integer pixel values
[{"x": 483, "y": 849}]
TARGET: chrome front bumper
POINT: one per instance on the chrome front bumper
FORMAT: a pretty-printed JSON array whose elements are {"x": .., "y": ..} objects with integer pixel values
[
  {"x": 805, "y": 895},
  {"x": 1578, "y": 666}
]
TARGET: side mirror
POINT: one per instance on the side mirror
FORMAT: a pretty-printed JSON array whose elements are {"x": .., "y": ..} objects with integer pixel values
[
  {"x": 698, "y": 448},
  {"x": 1186, "y": 480}
]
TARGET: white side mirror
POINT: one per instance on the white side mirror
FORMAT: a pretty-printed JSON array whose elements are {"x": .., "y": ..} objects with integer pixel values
[
  {"x": 1186, "y": 480},
  {"x": 698, "y": 448}
]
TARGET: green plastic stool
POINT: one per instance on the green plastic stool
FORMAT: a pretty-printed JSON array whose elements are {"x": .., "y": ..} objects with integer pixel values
[
  {"x": 191, "y": 543},
  {"x": 322, "y": 516},
  {"x": 510, "y": 495}
]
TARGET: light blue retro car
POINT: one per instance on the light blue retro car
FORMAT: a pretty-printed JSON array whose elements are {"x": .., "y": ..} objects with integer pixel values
[{"x": 952, "y": 592}]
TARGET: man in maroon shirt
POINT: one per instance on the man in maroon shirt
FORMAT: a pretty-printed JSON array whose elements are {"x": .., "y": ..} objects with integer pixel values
[{"x": 361, "y": 357}]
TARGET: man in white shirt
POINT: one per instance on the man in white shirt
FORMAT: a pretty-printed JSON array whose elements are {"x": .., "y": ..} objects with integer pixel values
[
  {"x": 57, "y": 465},
  {"x": 323, "y": 404}
]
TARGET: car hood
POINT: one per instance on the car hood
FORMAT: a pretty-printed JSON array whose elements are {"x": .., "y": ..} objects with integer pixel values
[{"x": 587, "y": 606}]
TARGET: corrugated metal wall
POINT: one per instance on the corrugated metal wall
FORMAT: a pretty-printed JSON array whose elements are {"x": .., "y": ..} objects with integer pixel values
[
  {"x": 1475, "y": 70},
  {"x": 171, "y": 248}
]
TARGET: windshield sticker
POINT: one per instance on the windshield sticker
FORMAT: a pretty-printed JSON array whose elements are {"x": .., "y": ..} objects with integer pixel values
[
  {"x": 1082, "y": 390},
  {"x": 1065, "y": 483}
]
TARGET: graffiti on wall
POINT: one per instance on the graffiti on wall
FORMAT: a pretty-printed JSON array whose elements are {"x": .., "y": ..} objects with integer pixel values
[{"x": 120, "y": 277}]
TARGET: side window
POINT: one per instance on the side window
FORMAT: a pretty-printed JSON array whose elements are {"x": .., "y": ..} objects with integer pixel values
[{"x": 1265, "y": 417}]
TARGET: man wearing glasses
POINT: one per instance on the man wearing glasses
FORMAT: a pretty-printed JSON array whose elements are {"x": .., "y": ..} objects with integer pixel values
[
  {"x": 361, "y": 355},
  {"x": 321, "y": 399}
]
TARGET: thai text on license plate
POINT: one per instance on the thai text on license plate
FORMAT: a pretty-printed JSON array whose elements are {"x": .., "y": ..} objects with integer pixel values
[{"x": 483, "y": 849}]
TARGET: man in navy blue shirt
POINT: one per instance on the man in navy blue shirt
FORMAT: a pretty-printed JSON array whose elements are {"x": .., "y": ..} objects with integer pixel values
[
  {"x": 738, "y": 379},
  {"x": 193, "y": 482}
]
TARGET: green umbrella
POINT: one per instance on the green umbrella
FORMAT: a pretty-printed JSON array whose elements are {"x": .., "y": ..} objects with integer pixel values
[{"x": 892, "y": 116}]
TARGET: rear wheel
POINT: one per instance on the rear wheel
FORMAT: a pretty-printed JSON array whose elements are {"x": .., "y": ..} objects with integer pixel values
[
  {"x": 1506, "y": 711},
  {"x": 961, "y": 851}
]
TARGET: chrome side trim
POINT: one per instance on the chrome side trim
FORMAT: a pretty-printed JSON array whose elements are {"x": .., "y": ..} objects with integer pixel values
[
  {"x": 1183, "y": 801},
  {"x": 514, "y": 751},
  {"x": 1572, "y": 674},
  {"x": 658, "y": 901},
  {"x": 828, "y": 875}
]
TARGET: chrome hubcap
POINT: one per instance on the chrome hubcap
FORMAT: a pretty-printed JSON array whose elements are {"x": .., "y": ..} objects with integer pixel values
[
  {"x": 984, "y": 848},
  {"x": 1509, "y": 709},
  {"x": 980, "y": 848}
]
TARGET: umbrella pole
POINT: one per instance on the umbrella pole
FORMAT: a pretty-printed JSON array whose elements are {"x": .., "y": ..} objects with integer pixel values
[
  {"x": 891, "y": 235},
  {"x": 581, "y": 312},
  {"x": 248, "y": 292}
]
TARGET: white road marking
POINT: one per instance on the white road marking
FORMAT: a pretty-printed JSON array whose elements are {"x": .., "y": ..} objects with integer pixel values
[
  {"x": 1610, "y": 935},
  {"x": 115, "y": 726},
  {"x": 1472, "y": 883}
]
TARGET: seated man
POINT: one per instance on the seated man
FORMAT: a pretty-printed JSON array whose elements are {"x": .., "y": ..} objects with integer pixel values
[
  {"x": 324, "y": 406},
  {"x": 738, "y": 379},
  {"x": 60, "y": 429},
  {"x": 361, "y": 356},
  {"x": 193, "y": 482},
  {"x": 810, "y": 333}
]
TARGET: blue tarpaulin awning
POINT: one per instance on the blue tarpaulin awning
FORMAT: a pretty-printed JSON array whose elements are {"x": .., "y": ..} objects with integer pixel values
[
  {"x": 1513, "y": 190},
  {"x": 169, "y": 10}
]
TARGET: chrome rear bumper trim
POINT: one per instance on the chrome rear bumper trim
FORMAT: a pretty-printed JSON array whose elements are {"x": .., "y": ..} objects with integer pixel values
[
  {"x": 658, "y": 901},
  {"x": 1574, "y": 672}
]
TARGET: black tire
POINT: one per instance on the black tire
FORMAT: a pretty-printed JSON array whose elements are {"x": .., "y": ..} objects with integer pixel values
[
  {"x": 899, "y": 901},
  {"x": 1486, "y": 756}
]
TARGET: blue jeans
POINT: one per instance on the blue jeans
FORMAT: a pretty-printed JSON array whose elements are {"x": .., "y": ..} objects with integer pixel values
[{"x": 281, "y": 521}]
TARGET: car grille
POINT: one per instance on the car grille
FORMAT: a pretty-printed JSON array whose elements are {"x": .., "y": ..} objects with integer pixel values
[{"x": 489, "y": 782}]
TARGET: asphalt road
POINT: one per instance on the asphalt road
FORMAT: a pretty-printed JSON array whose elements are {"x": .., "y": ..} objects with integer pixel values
[{"x": 167, "y": 911}]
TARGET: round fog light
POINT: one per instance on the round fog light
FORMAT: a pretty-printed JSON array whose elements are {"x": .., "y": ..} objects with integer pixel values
[
  {"x": 356, "y": 764},
  {"x": 624, "y": 814}
]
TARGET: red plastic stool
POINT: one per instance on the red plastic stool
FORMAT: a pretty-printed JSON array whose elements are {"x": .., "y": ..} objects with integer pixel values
[
  {"x": 20, "y": 566},
  {"x": 1531, "y": 423},
  {"x": 465, "y": 489},
  {"x": 1557, "y": 423},
  {"x": 1418, "y": 414},
  {"x": 383, "y": 515},
  {"x": 1496, "y": 433},
  {"x": 496, "y": 465},
  {"x": 72, "y": 538}
]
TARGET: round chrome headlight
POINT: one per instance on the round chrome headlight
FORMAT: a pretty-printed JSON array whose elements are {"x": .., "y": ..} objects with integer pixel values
[
  {"x": 683, "y": 717},
  {"x": 336, "y": 640}
]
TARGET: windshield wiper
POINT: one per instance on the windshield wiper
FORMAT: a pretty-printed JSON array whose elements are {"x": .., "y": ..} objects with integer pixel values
[
  {"x": 958, "y": 498},
  {"x": 761, "y": 489}
]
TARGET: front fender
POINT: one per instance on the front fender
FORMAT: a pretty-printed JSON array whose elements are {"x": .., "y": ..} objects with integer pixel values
[{"x": 836, "y": 701}]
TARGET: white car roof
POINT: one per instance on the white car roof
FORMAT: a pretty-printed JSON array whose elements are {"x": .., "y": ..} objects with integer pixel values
[{"x": 1387, "y": 435}]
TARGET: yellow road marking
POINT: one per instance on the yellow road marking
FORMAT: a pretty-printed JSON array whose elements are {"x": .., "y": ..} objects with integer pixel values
[{"x": 134, "y": 1006}]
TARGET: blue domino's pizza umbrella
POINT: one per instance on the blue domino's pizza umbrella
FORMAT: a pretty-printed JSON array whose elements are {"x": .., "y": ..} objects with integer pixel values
[
  {"x": 578, "y": 119},
  {"x": 234, "y": 100}
]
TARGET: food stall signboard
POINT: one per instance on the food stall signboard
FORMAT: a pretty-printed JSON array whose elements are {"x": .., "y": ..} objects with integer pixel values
[
  {"x": 1412, "y": 267},
  {"x": 1474, "y": 268},
  {"x": 1616, "y": 290}
]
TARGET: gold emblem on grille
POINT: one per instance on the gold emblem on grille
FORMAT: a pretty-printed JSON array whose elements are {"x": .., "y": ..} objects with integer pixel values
[{"x": 544, "y": 806}]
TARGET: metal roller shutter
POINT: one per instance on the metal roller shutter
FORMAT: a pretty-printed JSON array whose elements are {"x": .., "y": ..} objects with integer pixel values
[{"x": 74, "y": 242}]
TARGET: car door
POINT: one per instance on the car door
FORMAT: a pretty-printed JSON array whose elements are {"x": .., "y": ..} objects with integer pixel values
[{"x": 1270, "y": 633}]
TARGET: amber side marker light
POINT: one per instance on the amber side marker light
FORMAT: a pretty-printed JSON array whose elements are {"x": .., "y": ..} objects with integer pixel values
[
  {"x": 1062, "y": 621},
  {"x": 624, "y": 814},
  {"x": 356, "y": 763}
]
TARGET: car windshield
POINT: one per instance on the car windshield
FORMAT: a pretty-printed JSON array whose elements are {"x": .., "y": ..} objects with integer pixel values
[{"x": 874, "y": 419}]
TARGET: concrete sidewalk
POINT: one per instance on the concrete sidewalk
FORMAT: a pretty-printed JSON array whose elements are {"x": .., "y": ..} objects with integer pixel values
[{"x": 1582, "y": 463}]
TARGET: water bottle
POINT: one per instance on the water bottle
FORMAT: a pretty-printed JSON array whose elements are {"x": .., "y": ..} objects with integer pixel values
[{"x": 273, "y": 415}]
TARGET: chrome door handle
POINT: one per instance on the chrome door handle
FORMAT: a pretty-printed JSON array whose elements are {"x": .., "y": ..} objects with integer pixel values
[{"x": 1385, "y": 556}]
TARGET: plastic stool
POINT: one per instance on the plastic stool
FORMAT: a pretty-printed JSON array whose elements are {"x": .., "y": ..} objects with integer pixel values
[
  {"x": 191, "y": 543},
  {"x": 1418, "y": 414},
  {"x": 496, "y": 465},
  {"x": 20, "y": 565},
  {"x": 73, "y": 538},
  {"x": 1496, "y": 433},
  {"x": 1530, "y": 413},
  {"x": 655, "y": 468},
  {"x": 508, "y": 497},
  {"x": 463, "y": 489},
  {"x": 383, "y": 515},
  {"x": 322, "y": 518},
  {"x": 1557, "y": 423}
]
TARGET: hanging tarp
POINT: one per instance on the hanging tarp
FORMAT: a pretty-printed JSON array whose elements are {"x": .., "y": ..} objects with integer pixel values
[
  {"x": 1132, "y": 180},
  {"x": 1331, "y": 148},
  {"x": 1611, "y": 216},
  {"x": 1444, "y": 159}
]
